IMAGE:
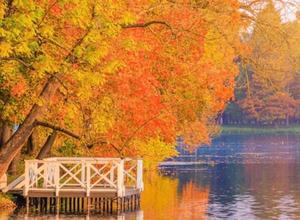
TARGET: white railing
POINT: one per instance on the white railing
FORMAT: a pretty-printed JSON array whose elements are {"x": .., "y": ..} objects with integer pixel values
[{"x": 88, "y": 174}]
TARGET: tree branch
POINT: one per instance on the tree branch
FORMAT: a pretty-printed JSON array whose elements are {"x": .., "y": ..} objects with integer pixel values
[
  {"x": 47, "y": 145},
  {"x": 57, "y": 128},
  {"x": 127, "y": 141},
  {"x": 27, "y": 65},
  {"x": 143, "y": 25},
  {"x": 9, "y": 8},
  {"x": 147, "y": 24}
]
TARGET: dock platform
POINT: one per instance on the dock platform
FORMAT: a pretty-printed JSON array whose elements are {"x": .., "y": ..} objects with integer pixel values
[{"x": 81, "y": 184}]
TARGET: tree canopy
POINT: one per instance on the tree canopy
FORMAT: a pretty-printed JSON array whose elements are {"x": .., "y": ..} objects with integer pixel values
[{"x": 117, "y": 77}]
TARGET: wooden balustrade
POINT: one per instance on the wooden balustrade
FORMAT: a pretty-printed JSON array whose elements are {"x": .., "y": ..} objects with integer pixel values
[{"x": 88, "y": 175}]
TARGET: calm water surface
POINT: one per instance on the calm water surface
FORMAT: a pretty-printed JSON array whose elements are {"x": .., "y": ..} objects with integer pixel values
[{"x": 253, "y": 177}]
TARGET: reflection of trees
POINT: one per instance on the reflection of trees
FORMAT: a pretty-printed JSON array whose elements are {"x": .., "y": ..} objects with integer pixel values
[
  {"x": 162, "y": 200},
  {"x": 194, "y": 202},
  {"x": 273, "y": 187},
  {"x": 275, "y": 179}
]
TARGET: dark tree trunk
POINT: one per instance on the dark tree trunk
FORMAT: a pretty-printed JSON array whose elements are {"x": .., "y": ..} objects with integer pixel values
[
  {"x": 47, "y": 146},
  {"x": 30, "y": 145},
  {"x": 6, "y": 133},
  {"x": 19, "y": 138},
  {"x": 1, "y": 131},
  {"x": 13, "y": 168}
]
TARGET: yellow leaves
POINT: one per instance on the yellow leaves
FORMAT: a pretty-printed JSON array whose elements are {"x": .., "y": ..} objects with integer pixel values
[
  {"x": 2, "y": 9},
  {"x": 93, "y": 55},
  {"x": 112, "y": 29},
  {"x": 3, "y": 32},
  {"x": 22, "y": 4},
  {"x": 92, "y": 51},
  {"x": 40, "y": 102},
  {"x": 46, "y": 64},
  {"x": 113, "y": 66},
  {"x": 128, "y": 18},
  {"x": 47, "y": 31},
  {"x": 89, "y": 78},
  {"x": 129, "y": 44},
  {"x": 217, "y": 50},
  {"x": 24, "y": 20},
  {"x": 86, "y": 81},
  {"x": 102, "y": 115},
  {"x": 8, "y": 71},
  {"x": 154, "y": 151},
  {"x": 22, "y": 49},
  {"x": 5, "y": 49}
]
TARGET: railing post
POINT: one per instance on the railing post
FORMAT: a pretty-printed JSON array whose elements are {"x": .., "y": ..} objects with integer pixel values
[
  {"x": 139, "y": 175},
  {"x": 83, "y": 172},
  {"x": 120, "y": 181},
  {"x": 88, "y": 178},
  {"x": 56, "y": 178},
  {"x": 111, "y": 174},
  {"x": 26, "y": 181},
  {"x": 46, "y": 174}
]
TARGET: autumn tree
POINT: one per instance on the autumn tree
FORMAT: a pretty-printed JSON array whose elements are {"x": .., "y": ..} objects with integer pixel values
[
  {"x": 42, "y": 43},
  {"x": 117, "y": 76},
  {"x": 269, "y": 70}
]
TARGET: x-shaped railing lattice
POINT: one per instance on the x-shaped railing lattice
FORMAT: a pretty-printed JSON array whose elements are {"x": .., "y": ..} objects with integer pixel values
[
  {"x": 103, "y": 175},
  {"x": 83, "y": 173}
]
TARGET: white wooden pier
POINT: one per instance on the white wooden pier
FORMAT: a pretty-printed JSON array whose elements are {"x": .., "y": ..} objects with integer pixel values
[{"x": 72, "y": 183}]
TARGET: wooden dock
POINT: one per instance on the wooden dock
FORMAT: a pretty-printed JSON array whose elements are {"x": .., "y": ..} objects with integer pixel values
[{"x": 104, "y": 185}]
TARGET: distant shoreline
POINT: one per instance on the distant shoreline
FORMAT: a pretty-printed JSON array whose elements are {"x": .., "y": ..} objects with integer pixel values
[{"x": 231, "y": 129}]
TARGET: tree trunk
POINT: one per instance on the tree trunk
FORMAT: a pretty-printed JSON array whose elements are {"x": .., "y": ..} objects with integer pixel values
[
  {"x": 19, "y": 138},
  {"x": 47, "y": 146},
  {"x": 14, "y": 164},
  {"x": 1, "y": 131},
  {"x": 30, "y": 145},
  {"x": 6, "y": 133}
]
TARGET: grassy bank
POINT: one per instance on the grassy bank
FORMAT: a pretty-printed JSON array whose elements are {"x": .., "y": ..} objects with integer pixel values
[{"x": 263, "y": 131}]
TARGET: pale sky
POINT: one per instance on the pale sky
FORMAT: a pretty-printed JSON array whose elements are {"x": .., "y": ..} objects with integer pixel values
[{"x": 288, "y": 8}]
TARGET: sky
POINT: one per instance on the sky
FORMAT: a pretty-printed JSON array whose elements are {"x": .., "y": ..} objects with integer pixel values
[{"x": 288, "y": 9}]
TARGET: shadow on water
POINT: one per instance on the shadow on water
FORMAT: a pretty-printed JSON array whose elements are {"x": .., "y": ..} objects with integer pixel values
[
  {"x": 251, "y": 177},
  {"x": 74, "y": 208},
  {"x": 39, "y": 210}
]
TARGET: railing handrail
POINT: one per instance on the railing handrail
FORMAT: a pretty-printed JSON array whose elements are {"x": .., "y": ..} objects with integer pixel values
[
  {"x": 86, "y": 159},
  {"x": 93, "y": 173}
]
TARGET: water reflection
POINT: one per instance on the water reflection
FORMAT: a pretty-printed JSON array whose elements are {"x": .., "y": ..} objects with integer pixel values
[
  {"x": 165, "y": 198},
  {"x": 255, "y": 177},
  {"x": 137, "y": 215}
]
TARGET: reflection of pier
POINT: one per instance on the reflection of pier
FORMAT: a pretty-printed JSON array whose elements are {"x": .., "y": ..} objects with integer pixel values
[
  {"x": 66, "y": 185},
  {"x": 137, "y": 215}
]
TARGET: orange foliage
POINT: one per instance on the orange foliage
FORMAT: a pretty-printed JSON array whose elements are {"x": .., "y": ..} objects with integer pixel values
[
  {"x": 19, "y": 88},
  {"x": 129, "y": 71}
]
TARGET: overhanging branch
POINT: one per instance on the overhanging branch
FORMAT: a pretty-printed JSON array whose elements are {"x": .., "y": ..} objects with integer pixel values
[
  {"x": 147, "y": 24},
  {"x": 57, "y": 128},
  {"x": 143, "y": 25}
]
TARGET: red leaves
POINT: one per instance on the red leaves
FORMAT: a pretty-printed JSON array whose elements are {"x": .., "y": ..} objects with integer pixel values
[
  {"x": 56, "y": 10},
  {"x": 19, "y": 88}
]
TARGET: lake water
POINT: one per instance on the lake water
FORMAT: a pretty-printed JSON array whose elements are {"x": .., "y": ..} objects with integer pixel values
[{"x": 248, "y": 177}]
